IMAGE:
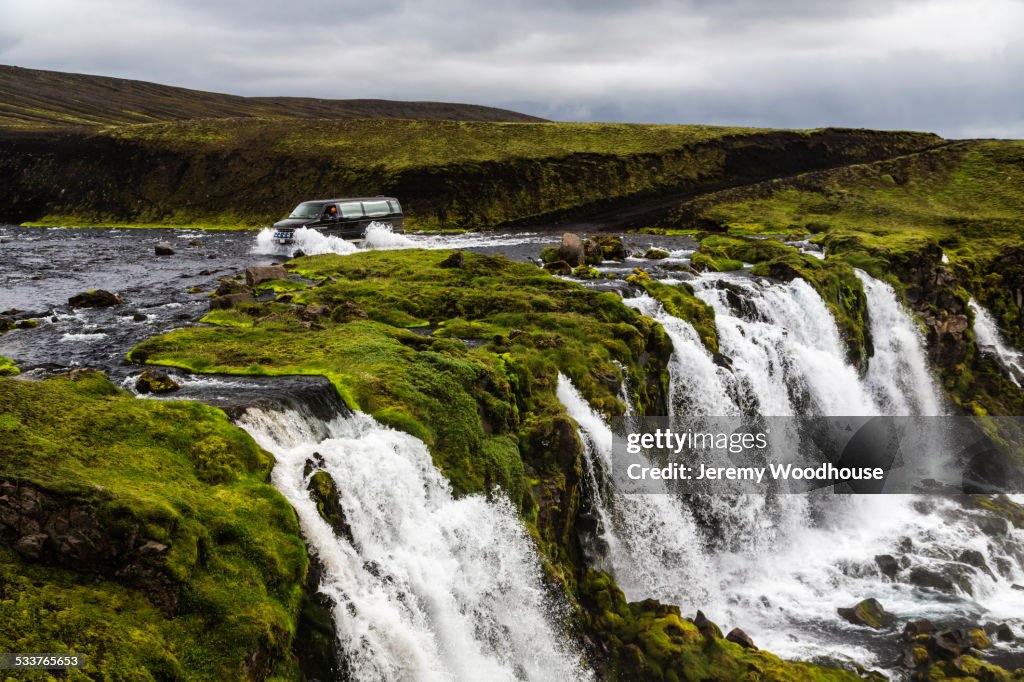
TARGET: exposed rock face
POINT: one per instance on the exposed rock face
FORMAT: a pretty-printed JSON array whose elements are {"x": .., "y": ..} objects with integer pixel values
[
  {"x": 571, "y": 250},
  {"x": 155, "y": 381},
  {"x": 97, "y": 298},
  {"x": 231, "y": 300},
  {"x": 324, "y": 491},
  {"x": 164, "y": 249},
  {"x": 58, "y": 531},
  {"x": 888, "y": 565},
  {"x": 868, "y": 613},
  {"x": 257, "y": 274}
]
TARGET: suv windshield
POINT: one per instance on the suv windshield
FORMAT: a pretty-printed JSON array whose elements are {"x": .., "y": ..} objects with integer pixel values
[{"x": 308, "y": 209}]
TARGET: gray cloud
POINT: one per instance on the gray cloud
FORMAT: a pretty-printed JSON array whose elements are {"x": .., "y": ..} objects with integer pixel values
[{"x": 942, "y": 65}]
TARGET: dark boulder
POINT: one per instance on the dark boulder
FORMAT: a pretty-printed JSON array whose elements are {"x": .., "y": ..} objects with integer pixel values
[
  {"x": 155, "y": 381},
  {"x": 1004, "y": 633},
  {"x": 455, "y": 260},
  {"x": 739, "y": 637},
  {"x": 949, "y": 578},
  {"x": 868, "y": 613},
  {"x": 97, "y": 298},
  {"x": 140, "y": 317},
  {"x": 257, "y": 274},
  {"x": 324, "y": 491},
  {"x": 230, "y": 286},
  {"x": 916, "y": 628},
  {"x": 888, "y": 565},
  {"x": 164, "y": 249},
  {"x": 706, "y": 627}
]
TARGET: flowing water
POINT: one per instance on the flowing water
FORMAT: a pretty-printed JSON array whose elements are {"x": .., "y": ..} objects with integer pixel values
[
  {"x": 991, "y": 341},
  {"x": 779, "y": 567},
  {"x": 432, "y": 587},
  {"x": 428, "y": 587}
]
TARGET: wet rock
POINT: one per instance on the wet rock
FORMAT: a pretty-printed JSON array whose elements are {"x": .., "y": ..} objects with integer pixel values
[
  {"x": 1019, "y": 588},
  {"x": 950, "y": 643},
  {"x": 6, "y": 324},
  {"x": 558, "y": 267},
  {"x": 196, "y": 290},
  {"x": 195, "y": 242},
  {"x": 11, "y": 312},
  {"x": 571, "y": 250},
  {"x": 916, "y": 628},
  {"x": 140, "y": 317},
  {"x": 257, "y": 274},
  {"x": 888, "y": 565},
  {"x": 97, "y": 298},
  {"x": 612, "y": 247},
  {"x": 26, "y": 324},
  {"x": 324, "y": 491},
  {"x": 949, "y": 579},
  {"x": 973, "y": 557},
  {"x": 868, "y": 613},
  {"x": 231, "y": 300},
  {"x": 164, "y": 249},
  {"x": 455, "y": 260},
  {"x": 706, "y": 627},
  {"x": 299, "y": 253},
  {"x": 739, "y": 637},
  {"x": 155, "y": 381},
  {"x": 1004, "y": 633},
  {"x": 655, "y": 254}
]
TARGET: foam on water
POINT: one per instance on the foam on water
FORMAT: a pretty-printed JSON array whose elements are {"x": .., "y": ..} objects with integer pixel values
[
  {"x": 991, "y": 341},
  {"x": 429, "y": 587}
]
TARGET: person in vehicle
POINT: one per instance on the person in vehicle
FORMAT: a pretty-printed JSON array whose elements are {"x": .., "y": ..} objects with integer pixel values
[{"x": 331, "y": 213}]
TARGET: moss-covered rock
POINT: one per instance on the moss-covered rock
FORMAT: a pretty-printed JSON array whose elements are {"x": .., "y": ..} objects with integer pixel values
[
  {"x": 477, "y": 383},
  {"x": 174, "y": 557},
  {"x": 652, "y": 641}
]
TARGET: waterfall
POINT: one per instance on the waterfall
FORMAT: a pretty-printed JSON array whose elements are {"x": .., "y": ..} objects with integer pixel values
[
  {"x": 898, "y": 374},
  {"x": 428, "y": 587},
  {"x": 991, "y": 341},
  {"x": 788, "y": 562}
]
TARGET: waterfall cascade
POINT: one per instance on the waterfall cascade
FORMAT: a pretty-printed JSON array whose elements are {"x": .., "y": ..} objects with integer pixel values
[
  {"x": 788, "y": 562},
  {"x": 428, "y": 587},
  {"x": 990, "y": 340}
]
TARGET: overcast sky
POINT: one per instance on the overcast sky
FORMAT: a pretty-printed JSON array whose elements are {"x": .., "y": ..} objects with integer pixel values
[{"x": 951, "y": 66}]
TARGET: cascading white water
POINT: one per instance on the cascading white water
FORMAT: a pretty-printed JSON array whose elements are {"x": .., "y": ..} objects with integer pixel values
[
  {"x": 790, "y": 562},
  {"x": 430, "y": 587},
  {"x": 990, "y": 340},
  {"x": 898, "y": 374}
]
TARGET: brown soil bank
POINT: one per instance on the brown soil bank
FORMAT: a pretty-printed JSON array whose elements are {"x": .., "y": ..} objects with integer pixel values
[{"x": 450, "y": 175}]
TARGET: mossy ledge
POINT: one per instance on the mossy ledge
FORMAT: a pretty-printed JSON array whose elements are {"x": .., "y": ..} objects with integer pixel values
[
  {"x": 144, "y": 536},
  {"x": 465, "y": 354}
]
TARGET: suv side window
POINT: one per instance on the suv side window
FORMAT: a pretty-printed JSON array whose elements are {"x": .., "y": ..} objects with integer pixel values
[
  {"x": 395, "y": 206},
  {"x": 376, "y": 209},
  {"x": 352, "y": 209}
]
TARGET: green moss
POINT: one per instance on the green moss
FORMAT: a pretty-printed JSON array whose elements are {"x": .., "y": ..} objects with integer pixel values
[
  {"x": 681, "y": 302},
  {"x": 651, "y": 641},
  {"x": 8, "y": 368},
  {"x": 174, "y": 473}
]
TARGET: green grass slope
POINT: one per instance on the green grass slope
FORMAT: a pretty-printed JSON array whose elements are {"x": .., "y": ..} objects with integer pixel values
[
  {"x": 142, "y": 535},
  {"x": 448, "y": 174}
]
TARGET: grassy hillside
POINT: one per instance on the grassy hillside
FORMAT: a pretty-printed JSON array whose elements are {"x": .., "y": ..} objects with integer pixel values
[
  {"x": 449, "y": 175},
  {"x": 34, "y": 98}
]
